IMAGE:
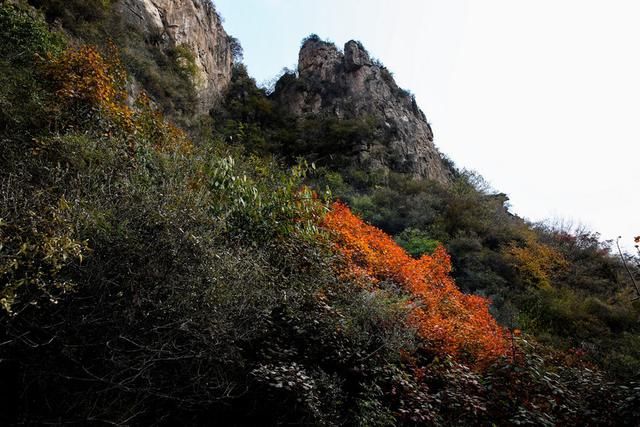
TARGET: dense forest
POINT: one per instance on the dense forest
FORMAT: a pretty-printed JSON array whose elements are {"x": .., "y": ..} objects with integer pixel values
[{"x": 160, "y": 266}]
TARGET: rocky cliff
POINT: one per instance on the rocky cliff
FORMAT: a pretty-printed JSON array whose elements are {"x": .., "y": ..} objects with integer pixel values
[
  {"x": 349, "y": 84},
  {"x": 191, "y": 24}
]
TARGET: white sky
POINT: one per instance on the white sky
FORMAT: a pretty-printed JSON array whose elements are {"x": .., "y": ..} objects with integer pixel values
[{"x": 541, "y": 97}]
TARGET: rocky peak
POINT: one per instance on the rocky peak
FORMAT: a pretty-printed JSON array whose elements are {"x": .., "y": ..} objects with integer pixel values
[
  {"x": 355, "y": 56},
  {"x": 192, "y": 24},
  {"x": 318, "y": 57},
  {"x": 348, "y": 84}
]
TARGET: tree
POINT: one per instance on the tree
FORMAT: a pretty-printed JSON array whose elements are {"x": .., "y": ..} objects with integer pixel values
[{"x": 450, "y": 322}]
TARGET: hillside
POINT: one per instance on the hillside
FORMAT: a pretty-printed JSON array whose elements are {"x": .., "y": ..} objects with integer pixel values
[
  {"x": 178, "y": 246},
  {"x": 564, "y": 286}
]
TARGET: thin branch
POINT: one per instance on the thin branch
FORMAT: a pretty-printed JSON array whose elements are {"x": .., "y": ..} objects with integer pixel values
[{"x": 624, "y": 262}]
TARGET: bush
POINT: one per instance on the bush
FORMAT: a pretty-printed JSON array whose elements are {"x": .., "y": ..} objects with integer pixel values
[
  {"x": 24, "y": 101},
  {"x": 73, "y": 13},
  {"x": 416, "y": 242},
  {"x": 451, "y": 322}
]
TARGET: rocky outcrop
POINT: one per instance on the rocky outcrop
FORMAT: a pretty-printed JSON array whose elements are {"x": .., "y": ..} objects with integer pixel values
[
  {"x": 349, "y": 84},
  {"x": 191, "y": 24}
]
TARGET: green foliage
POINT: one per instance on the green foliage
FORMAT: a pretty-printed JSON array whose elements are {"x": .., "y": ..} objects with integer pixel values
[
  {"x": 36, "y": 249},
  {"x": 248, "y": 117},
  {"x": 536, "y": 276},
  {"x": 25, "y": 41},
  {"x": 564, "y": 287},
  {"x": 25, "y": 36},
  {"x": 145, "y": 279},
  {"x": 328, "y": 139},
  {"x": 236, "y": 49},
  {"x": 74, "y": 14},
  {"x": 534, "y": 390},
  {"x": 167, "y": 77},
  {"x": 190, "y": 254},
  {"x": 185, "y": 61},
  {"x": 142, "y": 281},
  {"x": 167, "y": 73},
  {"x": 311, "y": 38},
  {"x": 416, "y": 242}
]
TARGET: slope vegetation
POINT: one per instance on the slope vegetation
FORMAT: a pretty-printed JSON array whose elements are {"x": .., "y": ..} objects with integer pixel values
[{"x": 150, "y": 276}]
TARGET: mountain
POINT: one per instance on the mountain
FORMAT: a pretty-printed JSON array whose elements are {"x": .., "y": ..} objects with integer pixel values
[
  {"x": 194, "y": 27},
  {"x": 179, "y": 246},
  {"x": 349, "y": 85}
]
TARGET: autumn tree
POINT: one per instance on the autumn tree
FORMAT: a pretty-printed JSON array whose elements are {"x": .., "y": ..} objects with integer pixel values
[{"x": 451, "y": 322}]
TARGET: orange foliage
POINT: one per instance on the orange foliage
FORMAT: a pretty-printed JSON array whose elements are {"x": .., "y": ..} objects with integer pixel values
[
  {"x": 453, "y": 323},
  {"x": 84, "y": 75}
]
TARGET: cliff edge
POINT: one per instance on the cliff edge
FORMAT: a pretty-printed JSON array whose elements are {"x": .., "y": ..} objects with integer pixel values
[{"x": 191, "y": 24}]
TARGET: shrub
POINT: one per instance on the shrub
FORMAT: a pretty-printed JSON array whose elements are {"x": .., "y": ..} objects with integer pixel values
[
  {"x": 416, "y": 242},
  {"x": 310, "y": 38},
  {"x": 36, "y": 250},
  {"x": 24, "y": 102},
  {"x": 536, "y": 262},
  {"x": 236, "y": 49},
  {"x": 146, "y": 279},
  {"x": 25, "y": 36},
  {"x": 453, "y": 323},
  {"x": 185, "y": 61},
  {"x": 73, "y": 13},
  {"x": 85, "y": 80}
]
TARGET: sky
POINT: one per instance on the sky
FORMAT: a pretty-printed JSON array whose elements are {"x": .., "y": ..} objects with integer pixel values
[{"x": 542, "y": 98}]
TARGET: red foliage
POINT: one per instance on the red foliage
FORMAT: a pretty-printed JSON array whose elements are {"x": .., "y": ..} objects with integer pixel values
[{"x": 451, "y": 322}]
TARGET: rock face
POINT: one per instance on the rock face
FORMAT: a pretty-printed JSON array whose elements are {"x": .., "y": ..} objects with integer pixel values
[
  {"x": 193, "y": 24},
  {"x": 350, "y": 85}
]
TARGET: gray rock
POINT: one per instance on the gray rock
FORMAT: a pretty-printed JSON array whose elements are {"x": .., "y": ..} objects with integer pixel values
[
  {"x": 191, "y": 23},
  {"x": 350, "y": 85},
  {"x": 318, "y": 59},
  {"x": 355, "y": 56}
]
